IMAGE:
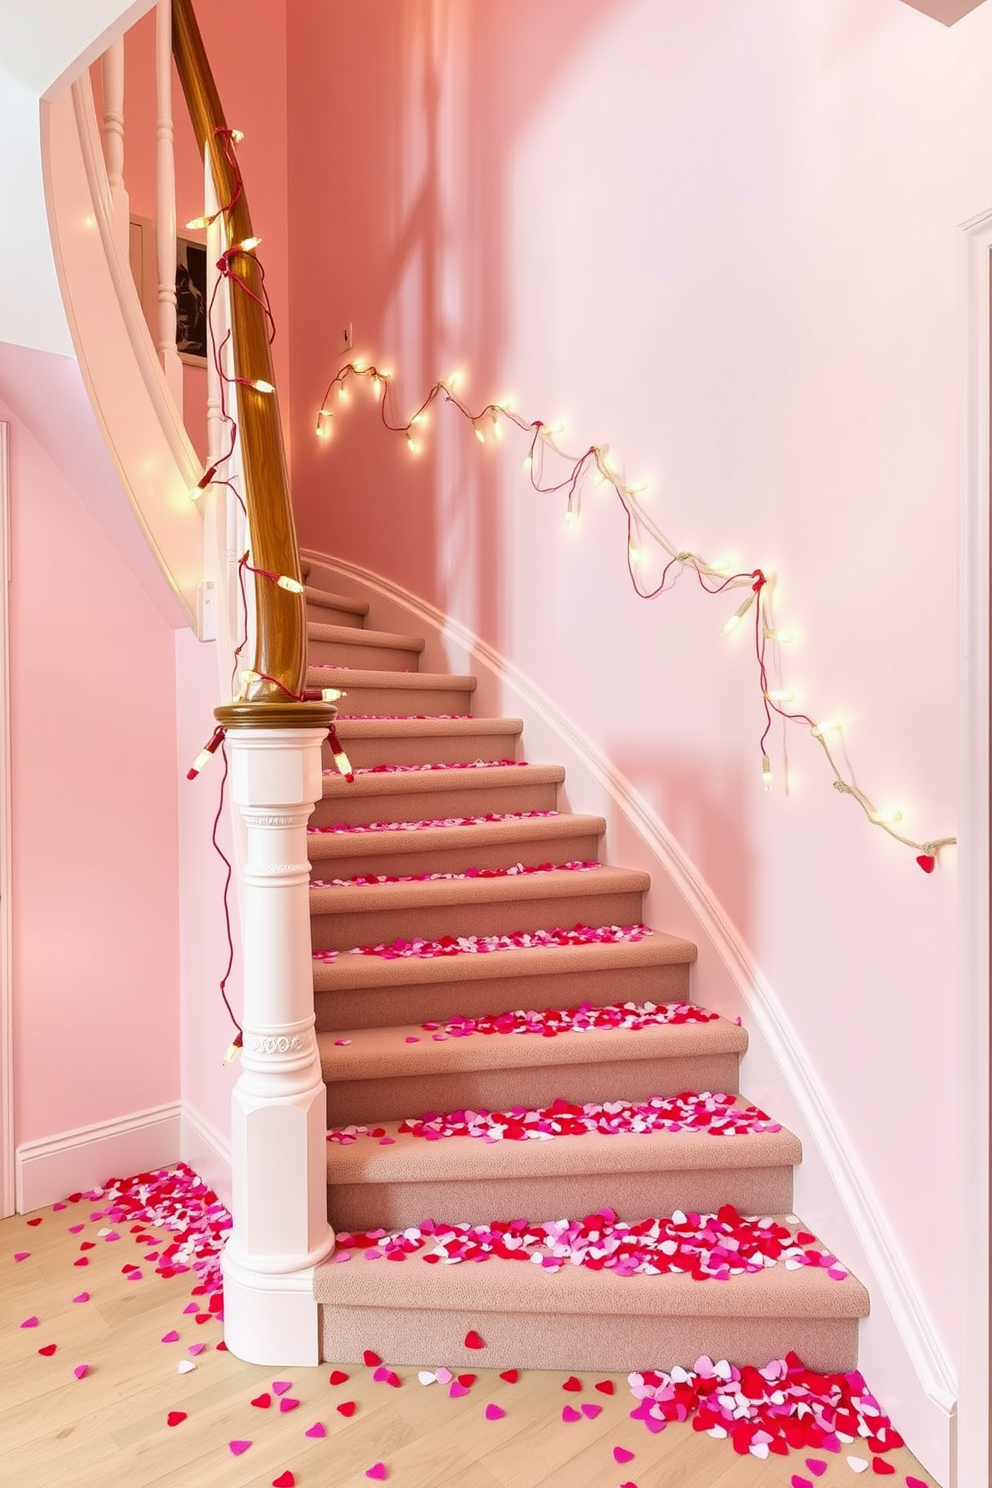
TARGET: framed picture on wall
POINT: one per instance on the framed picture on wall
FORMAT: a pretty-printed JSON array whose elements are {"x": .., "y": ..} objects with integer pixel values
[{"x": 191, "y": 301}]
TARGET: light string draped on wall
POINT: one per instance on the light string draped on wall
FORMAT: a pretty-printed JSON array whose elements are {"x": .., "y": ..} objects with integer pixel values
[
  {"x": 712, "y": 577},
  {"x": 229, "y": 138}
]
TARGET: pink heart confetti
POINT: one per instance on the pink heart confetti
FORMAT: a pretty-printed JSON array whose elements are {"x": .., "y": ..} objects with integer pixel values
[
  {"x": 912, "y": 1482},
  {"x": 318, "y": 1429},
  {"x": 170, "y": 1337},
  {"x": 81, "y": 1370},
  {"x": 494, "y": 1413},
  {"x": 21, "y": 1255},
  {"x": 57, "y": 1207},
  {"x": 798, "y": 1482},
  {"x": 620, "y": 1454},
  {"x": 76, "y": 1229},
  {"x": 569, "y": 1413},
  {"x": 190, "y": 1307},
  {"x": 237, "y": 1447},
  {"x": 279, "y": 1387},
  {"x": 378, "y": 1470},
  {"x": 287, "y": 1403},
  {"x": 457, "y": 1390},
  {"x": 590, "y": 1411},
  {"x": 31, "y": 1322},
  {"x": 81, "y": 1297},
  {"x": 816, "y": 1466},
  {"x": 196, "y": 1348}
]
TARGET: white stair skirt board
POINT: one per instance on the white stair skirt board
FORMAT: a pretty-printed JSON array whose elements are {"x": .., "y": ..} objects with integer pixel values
[
  {"x": 86, "y": 1157},
  {"x": 900, "y": 1353}
]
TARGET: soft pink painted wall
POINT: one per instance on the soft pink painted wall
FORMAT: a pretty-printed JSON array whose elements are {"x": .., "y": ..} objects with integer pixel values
[
  {"x": 723, "y": 239},
  {"x": 94, "y": 891}
]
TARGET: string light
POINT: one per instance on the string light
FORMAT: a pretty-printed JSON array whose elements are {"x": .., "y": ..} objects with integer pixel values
[
  {"x": 261, "y": 386},
  {"x": 292, "y": 586},
  {"x": 206, "y": 754},
  {"x": 714, "y": 577},
  {"x": 341, "y": 761}
]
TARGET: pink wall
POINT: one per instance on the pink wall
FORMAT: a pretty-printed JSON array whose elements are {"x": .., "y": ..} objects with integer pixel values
[
  {"x": 95, "y": 866},
  {"x": 723, "y": 239}
]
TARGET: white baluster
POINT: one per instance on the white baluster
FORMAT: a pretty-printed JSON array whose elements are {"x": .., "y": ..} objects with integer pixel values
[
  {"x": 112, "y": 67},
  {"x": 165, "y": 203}
]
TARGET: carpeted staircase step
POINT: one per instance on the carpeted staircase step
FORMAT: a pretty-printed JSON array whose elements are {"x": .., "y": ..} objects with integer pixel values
[
  {"x": 375, "y": 650},
  {"x": 424, "y": 741},
  {"x": 554, "y": 838},
  {"x": 325, "y": 608},
  {"x": 369, "y": 691},
  {"x": 369, "y": 992},
  {"x": 579, "y": 1319},
  {"x": 429, "y": 909},
  {"x": 421, "y": 794},
  {"x": 463, "y": 1178},
  {"x": 382, "y": 1073}
]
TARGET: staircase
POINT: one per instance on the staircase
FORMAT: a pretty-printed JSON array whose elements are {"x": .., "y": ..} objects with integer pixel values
[{"x": 384, "y": 1068}]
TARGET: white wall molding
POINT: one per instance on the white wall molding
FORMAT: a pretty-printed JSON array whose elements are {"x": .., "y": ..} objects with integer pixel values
[
  {"x": 207, "y": 1151},
  {"x": 7, "y": 1185},
  {"x": 973, "y": 1451},
  {"x": 902, "y": 1355},
  {"x": 87, "y": 1156}
]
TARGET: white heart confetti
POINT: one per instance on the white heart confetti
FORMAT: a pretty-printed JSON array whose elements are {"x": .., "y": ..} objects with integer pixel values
[
  {"x": 857, "y": 1464},
  {"x": 184, "y": 1366}
]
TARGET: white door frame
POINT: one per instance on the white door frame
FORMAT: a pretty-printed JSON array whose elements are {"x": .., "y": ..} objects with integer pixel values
[
  {"x": 973, "y": 1424},
  {"x": 6, "y": 984}
]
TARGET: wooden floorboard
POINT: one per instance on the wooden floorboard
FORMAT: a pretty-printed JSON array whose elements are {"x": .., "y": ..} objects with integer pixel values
[{"x": 108, "y": 1430}]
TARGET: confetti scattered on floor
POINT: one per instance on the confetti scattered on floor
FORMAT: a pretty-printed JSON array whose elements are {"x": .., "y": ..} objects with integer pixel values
[
  {"x": 575, "y": 865},
  {"x": 468, "y": 945},
  {"x": 425, "y": 824}
]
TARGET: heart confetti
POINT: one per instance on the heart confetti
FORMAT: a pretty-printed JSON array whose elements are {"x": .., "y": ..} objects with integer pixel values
[
  {"x": 318, "y": 1429},
  {"x": 457, "y": 1390},
  {"x": 473, "y": 1341},
  {"x": 48, "y": 1350},
  {"x": 468, "y": 1380},
  {"x": 197, "y": 1348},
  {"x": 185, "y": 1366},
  {"x": 280, "y": 1387},
  {"x": 81, "y": 1297},
  {"x": 510, "y": 1375},
  {"x": 21, "y": 1255},
  {"x": 287, "y": 1403},
  {"x": 590, "y": 1410},
  {"x": 36, "y": 1221},
  {"x": 284, "y": 1480},
  {"x": 572, "y": 1383},
  {"x": 378, "y": 1470},
  {"x": 621, "y": 1454},
  {"x": 880, "y": 1466},
  {"x": 81, "y": 1370},
  {"x": 338, "y": 1377},
  {"x": 799, "y": 1482},
  {"x": 605, "y": 1387},
  {"x": 927, "y": 862},
  {"x": 816, "y": 1466},
  {"x": 175, "y": 1418},
  {"x": 494, "y": 1413},
  {"x": 569, "y": 1413},
  {"x": 237, "y": 1447},
  {"x": 857, "y": 1464},
  {"x": 347, "y": 1408},
  {"x": 263, "y": 1402},
  {"x": 371, "y": 1359},
  {"x": 83, "y": 1261},
  {"x": 31, "y": 1322},
  {"x": 912, "y": 1482},
  {"x": 171, "y": 1337}
]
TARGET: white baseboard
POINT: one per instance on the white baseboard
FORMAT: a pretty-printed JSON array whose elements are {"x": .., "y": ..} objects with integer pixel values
[
  {"x": 902, "y": 1356},
  {"x": 207, "y": 1152},
  {"x": 48, "y": 1169}
]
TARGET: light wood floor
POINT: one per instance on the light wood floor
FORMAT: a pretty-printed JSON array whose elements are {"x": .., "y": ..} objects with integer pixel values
[{"x": 108, "y": 1430}]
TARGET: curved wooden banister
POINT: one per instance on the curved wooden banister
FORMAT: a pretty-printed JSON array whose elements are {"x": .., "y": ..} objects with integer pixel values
[{"x": 280, "y": 648}]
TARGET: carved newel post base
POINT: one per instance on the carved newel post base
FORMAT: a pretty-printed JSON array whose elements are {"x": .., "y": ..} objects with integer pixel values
[{"x": 278, "y": 1138}]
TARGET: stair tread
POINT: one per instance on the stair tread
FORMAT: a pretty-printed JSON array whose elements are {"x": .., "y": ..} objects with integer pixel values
[
  {"x": 523, "y": 829},
  {"x": 349, "y": 635},
  {"x": 498, "y": 1285},
  {"x": 411, "y": 1159},
  {"x": 417, "y": 780},
  {"x": 554, "y": 884},
  {"x": 383, "y": 1053},
  {"x": 329, "y": 676},
  {"x": 333, "y": 601},
  {"x": 350, "y": 973},
  {"x": 426, "y": 727}
]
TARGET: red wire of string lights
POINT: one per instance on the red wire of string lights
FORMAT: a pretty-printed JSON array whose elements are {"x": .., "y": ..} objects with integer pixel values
[{"x": 710, "y": 577}]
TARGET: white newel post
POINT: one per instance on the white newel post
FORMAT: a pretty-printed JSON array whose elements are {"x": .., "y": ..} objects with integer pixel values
[{"x": 278, "y": 1138}]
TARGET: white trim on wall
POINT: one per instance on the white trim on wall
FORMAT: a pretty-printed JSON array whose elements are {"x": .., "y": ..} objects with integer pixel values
[
  {"x": 901, "y": 1350},
  {"x": 7, "y": 1183},
  {"x": 973, "y": 1448},
  {"x": 87, "y": 1156},
  {"x": 206, "y": 1151}
]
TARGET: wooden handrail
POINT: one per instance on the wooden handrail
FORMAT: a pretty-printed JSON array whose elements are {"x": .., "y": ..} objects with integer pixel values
[{"x": 280, "y": 647}]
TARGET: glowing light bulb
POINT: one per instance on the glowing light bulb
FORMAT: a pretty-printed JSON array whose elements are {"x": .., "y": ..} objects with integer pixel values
[
  {"x": 636, "y": 553},
  {"x": 497, "y": 426},
  {"x": 412, "y": 444},
  {"x": 721, "y": 565},
  {"x": 247, "y": 677},
  {"x": 261, "y": 386},
  {"x": 324, "y": 423},
  {"x": 831, "y": 726},
  {"x": 641, "y": 489},
  {"x": 779, "y": 635},
  {"x": 452, "y": 380},
  {"x": 420, "y": 418},
  {"x": 552, "y": 429},
  {"x": 292, "y": 586},
  {"x": 331, "y": 694},
  {"x": 359, "y": 364},
  {"x": 478, "y": 433},
  {"x": 198, "y": 222},
  {"x": 504, "y": 404},
  {"x": 203, "y": 758},
  {"x": 237, "y": 135},
  {"x": 376, "y": 387},
  {"x": 780, "y": 695},
  {"x": 233, "y": 1050},
  {"x": 571, "y": 516},
  {"x": 890, "y": 817},
  {"x": 343, "y": 394},
  {"x": 528, "y": 463},
  {"x": 766, "y": 772},
  {"x": 247, "y": 244},
  {"x": 739, "y": 613}
]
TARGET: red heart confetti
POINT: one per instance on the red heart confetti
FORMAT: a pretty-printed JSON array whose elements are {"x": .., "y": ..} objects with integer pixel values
[
  {"x": 87, "y": 1245},
  {"x": 338, "y": 1377},
  {"x": 35, "y": 1221},
  {"x": 605, "y": 1387},
  {"x": 628, "y": 1485},
  {"x": 83, "y": 1261},
  {"x": 287, "y": 1403},
  {"x": 510, "y": 1375},
  {"x": 48, "y": 1350},
  {"x": 222, "y": 1347},
  {"x": 262, "y": 1401},
  {"x": 880, "y": 1466},
  {"x": 569, "y": 1413},
  {"x": 494, "y": 1413},
  {"x": 816, "y": 1466},
  {"x": 175, "y": 1418},
  {"x": 572, "y": 1383},
  {"x": 468, "y": 1380},
  {"x": 237, "y": 1447},
  {"x": 318, "y": 1429},
  {"x": 347, "y": 1408},
  {"x": 620, "y": 1454},
  {"x": 31, "y": 1322},
  {"x": 473, "y": 1341},
  {"x": 927, "y": 862},
  {"x": 284, "y": 1480},
  {"x": 371, "y": 1359},
  {"x": 378, "y": 1470}
]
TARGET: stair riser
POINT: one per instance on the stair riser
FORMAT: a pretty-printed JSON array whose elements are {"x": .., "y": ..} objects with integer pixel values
[
  {"x": 438, "y": 749},
  {"x": 371, "y": 658},
  {"x": 323, "y": 615},
  {"x": 472, "y": 998},
  {"x": 350, "y": 807},
  {"x": 391, "y": 701},
  {"x": 366, "y": 1206},
  {"x": 372, "y": 1100},
  {"x": 453, "y": 858},
  {"x": 502, "y": 917},
  {"x": 616, "y": 1345}
]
